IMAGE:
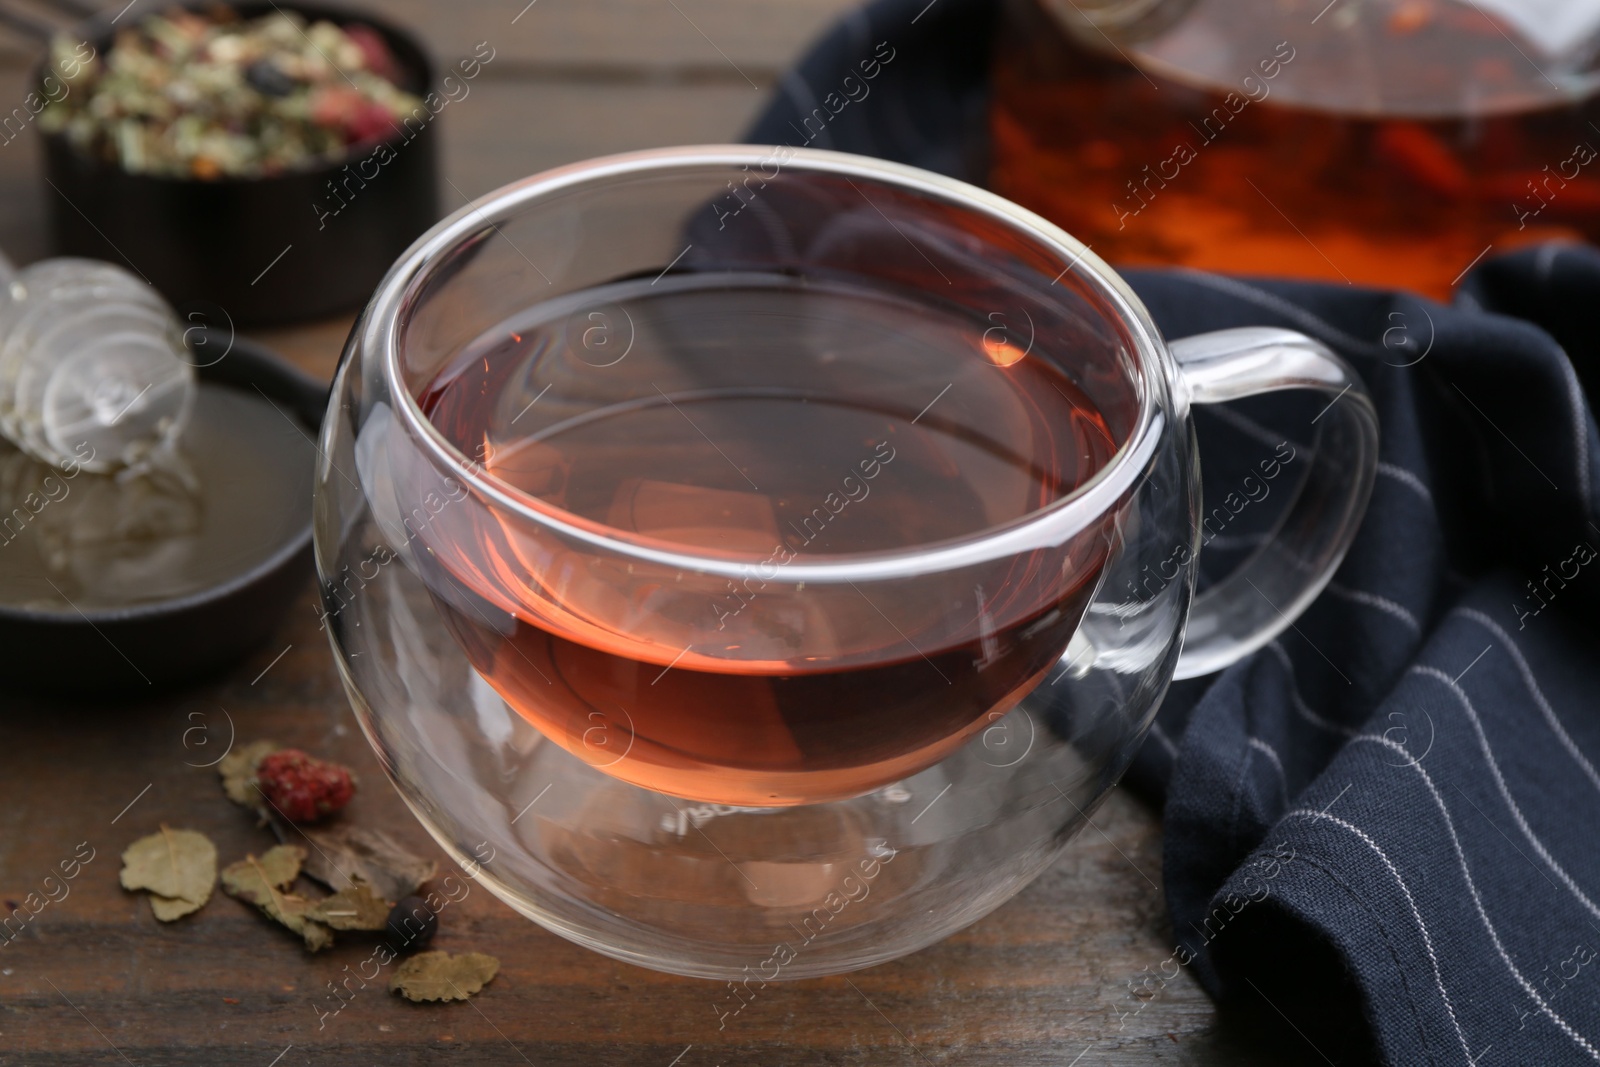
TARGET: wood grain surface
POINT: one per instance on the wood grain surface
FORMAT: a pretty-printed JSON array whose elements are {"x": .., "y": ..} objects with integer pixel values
[
  {"x": 1048, "y": 979},
  {"x": 94, "y": 979}
]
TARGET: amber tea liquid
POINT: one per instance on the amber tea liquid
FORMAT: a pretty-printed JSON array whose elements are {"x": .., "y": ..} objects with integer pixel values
[
  {"x": 1396, "y": 152},
  {"x": 783, "y": 423}
]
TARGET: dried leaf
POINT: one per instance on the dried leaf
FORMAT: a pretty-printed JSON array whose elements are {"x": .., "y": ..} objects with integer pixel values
[
  {"x": 256, "y": 879},
  {"x": 168, "y": 909},
  {"x": 351, "y": 909},
  {"x": 264, "y": 882},
  {"x": 441, "y": 976},
  {"x": 178, "y": 867},
  {"x": 238, "y": 771},
  {"x": 293, "y": 912},
  {"x": 346, "y": 855}
]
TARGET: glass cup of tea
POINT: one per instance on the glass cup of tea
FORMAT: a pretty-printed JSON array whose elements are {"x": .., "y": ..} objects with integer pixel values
[{"x": 756, "y": 563}]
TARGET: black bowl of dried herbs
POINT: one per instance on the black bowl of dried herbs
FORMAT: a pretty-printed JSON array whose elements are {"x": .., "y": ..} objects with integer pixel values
[{"x": 266, "y": 160}]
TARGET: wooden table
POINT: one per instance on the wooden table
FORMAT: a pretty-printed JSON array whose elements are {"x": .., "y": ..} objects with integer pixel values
[{"x": 94, "y": 979}]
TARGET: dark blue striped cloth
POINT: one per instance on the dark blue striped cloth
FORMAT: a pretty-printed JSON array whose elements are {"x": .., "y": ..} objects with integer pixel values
[{"x": 1386, "y": 825}]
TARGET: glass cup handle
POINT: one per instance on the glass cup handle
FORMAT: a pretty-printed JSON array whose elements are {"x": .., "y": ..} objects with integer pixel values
[{"x": 1266, "y": 594}]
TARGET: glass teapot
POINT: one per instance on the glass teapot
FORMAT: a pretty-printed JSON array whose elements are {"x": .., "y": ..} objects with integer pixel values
[{"x": 1385, "y": 142}]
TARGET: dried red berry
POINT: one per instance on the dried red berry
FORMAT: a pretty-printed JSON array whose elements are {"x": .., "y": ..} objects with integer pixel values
[
  {"x": 303, "y": 788},
  {"x": 375, "y": 53},
  {"x": 369, "y": 122}
]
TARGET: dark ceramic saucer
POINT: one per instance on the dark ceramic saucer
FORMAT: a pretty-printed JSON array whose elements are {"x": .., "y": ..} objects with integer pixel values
[{"x": 73, "y": 648}]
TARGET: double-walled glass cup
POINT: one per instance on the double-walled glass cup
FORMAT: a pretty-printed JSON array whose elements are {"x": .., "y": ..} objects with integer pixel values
[{"x": 672, "y": 726}]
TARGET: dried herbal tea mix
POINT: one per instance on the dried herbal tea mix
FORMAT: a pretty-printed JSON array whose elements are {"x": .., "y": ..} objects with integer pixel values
[
  {"x": 208, "y": 94},
  {"x": 365, "y": 869}
]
